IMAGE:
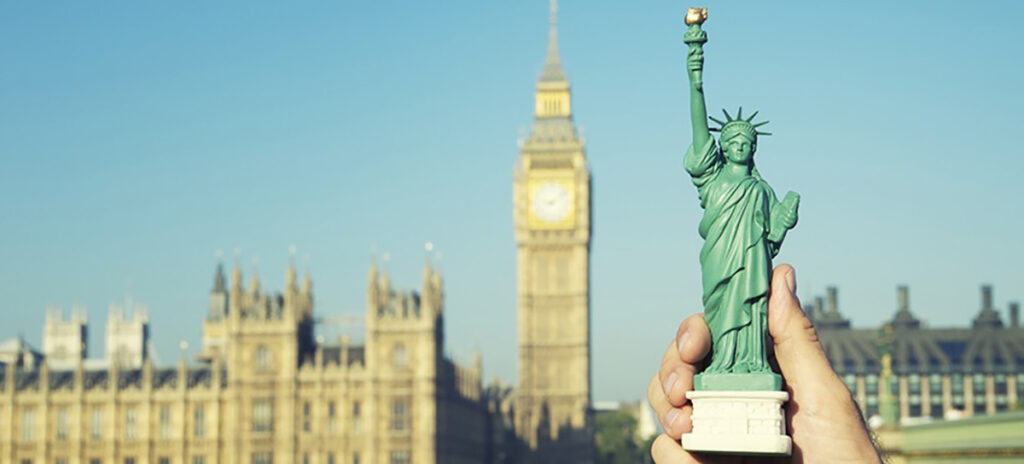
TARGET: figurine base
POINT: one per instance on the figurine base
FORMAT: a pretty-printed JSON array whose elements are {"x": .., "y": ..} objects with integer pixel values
[
  {"x": 738, "y": 422},
  {"x": 749, "y": 381}
]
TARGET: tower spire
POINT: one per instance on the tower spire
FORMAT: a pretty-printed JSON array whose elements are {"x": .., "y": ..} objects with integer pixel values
[
  {"x": 553, "y": 29},
  {"x": 218, "y": 275},
  {"x": 553, "y": 71},
  {"x": 290, "y": 274}
]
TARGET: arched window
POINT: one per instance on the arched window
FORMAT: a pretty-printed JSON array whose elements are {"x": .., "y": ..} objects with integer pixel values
[
  {"x": 262, "y": 358},
  {"x": 399, "y": 357}
]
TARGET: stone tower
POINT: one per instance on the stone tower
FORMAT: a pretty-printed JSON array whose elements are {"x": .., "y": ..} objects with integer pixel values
[
  {"x": 65, "y": 340},
  {"x": 552, "y": 229},
  {"x": 127, "y": 334},
  {"x": 403, "y": 354}
]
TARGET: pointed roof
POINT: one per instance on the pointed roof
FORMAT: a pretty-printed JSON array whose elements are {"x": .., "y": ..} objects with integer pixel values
[
  {"x": 307, "y": 281},
  {"x": 290, "y": 273},
  {"x": 218, "y": 278},
  {"x": 553, "y": 72}
]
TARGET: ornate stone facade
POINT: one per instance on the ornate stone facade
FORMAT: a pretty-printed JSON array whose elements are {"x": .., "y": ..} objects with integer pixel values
[
  {"x": 552, "y": 229},
  {"x": 266, "y": 391}
]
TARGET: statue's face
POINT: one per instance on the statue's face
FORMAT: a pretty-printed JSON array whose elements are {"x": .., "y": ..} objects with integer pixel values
[{"x": 739, "y": 149}]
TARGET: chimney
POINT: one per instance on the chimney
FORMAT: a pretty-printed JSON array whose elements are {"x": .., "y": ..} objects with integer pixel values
[
  {"x": 1014, "y": 314},
  {"x": 833, "y": 307},
  {"x": 986, "y": 297},
  {"x": 902, "y": 298},
  {"x": 819, "y": 309}
]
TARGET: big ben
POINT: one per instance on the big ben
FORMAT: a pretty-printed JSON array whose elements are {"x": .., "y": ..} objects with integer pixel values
[{"x": 553, "y": 231}]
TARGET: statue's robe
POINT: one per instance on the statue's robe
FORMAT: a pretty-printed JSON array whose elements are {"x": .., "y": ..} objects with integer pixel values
[{"x": 735, "y": 260}]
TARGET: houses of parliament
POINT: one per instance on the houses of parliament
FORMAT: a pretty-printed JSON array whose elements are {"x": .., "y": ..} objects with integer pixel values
[{"x": 265, "y": 390}]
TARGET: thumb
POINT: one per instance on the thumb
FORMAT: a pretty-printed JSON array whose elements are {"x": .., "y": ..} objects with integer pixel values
[{"x": 797, "y": 349}]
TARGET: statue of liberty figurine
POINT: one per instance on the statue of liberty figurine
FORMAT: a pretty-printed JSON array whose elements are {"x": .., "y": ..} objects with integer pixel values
[{"x": 743, "y": 227}]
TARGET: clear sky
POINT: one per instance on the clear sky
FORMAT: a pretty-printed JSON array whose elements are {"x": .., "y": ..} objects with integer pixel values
[{"x": 137, "y": 138}]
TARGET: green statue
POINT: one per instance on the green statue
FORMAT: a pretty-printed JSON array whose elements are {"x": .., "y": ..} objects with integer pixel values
[{"x": 743, "y": 227}]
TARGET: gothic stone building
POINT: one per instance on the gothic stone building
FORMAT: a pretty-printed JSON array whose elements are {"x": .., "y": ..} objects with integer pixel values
[
  {"x": 935, "y": 372},
  {"x": 267, "y": 392},
  {"x": 553, "y": 416}
]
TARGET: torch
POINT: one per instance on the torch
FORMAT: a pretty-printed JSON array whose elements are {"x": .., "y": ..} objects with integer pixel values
[{"x": 695, "y": 37}]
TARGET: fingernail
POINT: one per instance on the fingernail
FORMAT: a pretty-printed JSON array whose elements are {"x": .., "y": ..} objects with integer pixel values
[
  {"x": 669, "y": 383},
  {"x": 670, "y": 418},
  {"x": 681, "y": 344},
  {"x": 791, "y": 281}
]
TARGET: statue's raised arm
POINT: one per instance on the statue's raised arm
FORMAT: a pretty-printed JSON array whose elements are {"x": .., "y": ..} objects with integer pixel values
[{"x": 695, "y": 38}]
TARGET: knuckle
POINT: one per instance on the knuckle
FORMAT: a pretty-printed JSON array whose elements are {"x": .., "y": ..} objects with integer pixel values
[{"x": 654, "y": 391}]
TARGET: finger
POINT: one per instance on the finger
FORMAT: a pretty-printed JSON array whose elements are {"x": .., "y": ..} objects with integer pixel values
[
  {"x": 693, "y": 339},
  {"x": 797, "y": 348},
  {"x": 678, "y": 364},
  {"x": 675, "y": 376},
  {"x": 674, "y": 420},
  {"x": 666, "y": 450}
]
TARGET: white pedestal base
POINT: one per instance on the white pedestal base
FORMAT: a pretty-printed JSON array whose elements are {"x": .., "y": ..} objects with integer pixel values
[{"x": 738, "y": 422}]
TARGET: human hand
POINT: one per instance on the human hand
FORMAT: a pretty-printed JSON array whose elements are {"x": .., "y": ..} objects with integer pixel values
[{"x": 821, "y": 416}]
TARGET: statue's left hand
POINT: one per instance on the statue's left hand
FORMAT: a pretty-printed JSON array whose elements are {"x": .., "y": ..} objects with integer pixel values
[
  {"x": 788, "y": 214},
  {"x": 788, "y": 217}
]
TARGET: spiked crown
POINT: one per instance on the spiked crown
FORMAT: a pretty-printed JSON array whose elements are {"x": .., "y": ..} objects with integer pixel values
[{"x": 733, "y": 126}]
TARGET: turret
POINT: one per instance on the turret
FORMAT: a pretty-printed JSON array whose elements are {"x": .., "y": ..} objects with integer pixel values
[
  {"x": 290, "y": 278},
  {"x": 254, "y": 283},
  {"x": 385, "y": 284},
  {"x": 431, "y": 290},
  {"x": 307, "y": 283},
  {"x": 218, "y": 295},
  {"x": 65, "y": 341},
  {"x": 236, "y": 277},
  {"x": 219, "y": 285},
  {"x": 236, "y": 295},
  {"x": 372, "y": 289}
]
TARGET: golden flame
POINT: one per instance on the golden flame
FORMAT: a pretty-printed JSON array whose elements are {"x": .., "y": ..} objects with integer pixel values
[{"x": 696, "y": 16}]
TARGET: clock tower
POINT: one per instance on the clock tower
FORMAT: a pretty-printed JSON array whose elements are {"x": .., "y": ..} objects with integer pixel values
[{"x": 552, "y": 230}]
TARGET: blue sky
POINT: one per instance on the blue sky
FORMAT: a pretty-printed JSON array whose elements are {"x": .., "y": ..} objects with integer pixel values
[{"x": 137, "y": 139}]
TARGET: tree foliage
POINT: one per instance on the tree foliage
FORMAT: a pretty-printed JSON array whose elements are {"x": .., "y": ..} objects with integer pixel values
[{"x": 615, "y": 439}]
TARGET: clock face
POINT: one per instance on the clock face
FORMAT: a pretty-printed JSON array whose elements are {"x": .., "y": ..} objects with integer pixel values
[{"x": 551, "y": 202}]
